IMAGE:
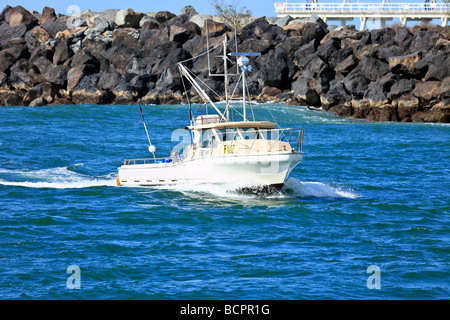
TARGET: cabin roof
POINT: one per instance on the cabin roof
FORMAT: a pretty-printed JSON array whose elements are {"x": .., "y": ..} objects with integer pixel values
[{"x": 238, "y": 124}]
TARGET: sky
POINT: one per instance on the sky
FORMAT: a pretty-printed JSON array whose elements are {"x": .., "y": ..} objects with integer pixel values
[{"x": 258, "y": 7}]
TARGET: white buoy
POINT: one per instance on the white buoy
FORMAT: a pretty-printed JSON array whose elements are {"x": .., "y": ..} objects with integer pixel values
[{"x": 151, "y": 149}]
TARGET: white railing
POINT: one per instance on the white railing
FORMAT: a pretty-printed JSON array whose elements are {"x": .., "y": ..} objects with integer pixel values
[{"x": 281, "y": 7}]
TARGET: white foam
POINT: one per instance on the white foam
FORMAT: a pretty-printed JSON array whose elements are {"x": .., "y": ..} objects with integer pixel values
[
  {"x": 297, "y": 188},
  {"x": 293, "y": 188},
  {"x": 57, "y": 178}
]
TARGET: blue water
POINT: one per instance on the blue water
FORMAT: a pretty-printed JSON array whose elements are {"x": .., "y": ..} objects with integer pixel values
[{"x": 366, "y": 194}]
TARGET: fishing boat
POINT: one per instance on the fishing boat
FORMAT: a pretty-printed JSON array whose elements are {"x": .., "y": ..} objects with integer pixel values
[{"x": 251, "y": 154}]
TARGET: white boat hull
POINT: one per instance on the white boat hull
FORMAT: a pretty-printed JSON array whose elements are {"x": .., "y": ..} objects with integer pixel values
[{"x": 243, "y": 170}]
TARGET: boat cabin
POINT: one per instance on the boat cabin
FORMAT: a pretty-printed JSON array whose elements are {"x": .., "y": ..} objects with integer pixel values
[{"x": 214, "y": 138}]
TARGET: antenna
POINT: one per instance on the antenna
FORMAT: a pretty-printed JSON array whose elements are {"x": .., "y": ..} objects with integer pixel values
[{"x": 243, "y": 62}]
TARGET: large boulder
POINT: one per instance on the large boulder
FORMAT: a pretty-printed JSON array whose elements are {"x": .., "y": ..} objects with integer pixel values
[
  {"x": 7, "y": 33},
  {"x": 406, "y": 64},
  {"x": 62, "y": 53},
  {"x": 36, "y": 36},
  {"x": 128, "y": 18},
  {"x": 164, "y": 16},
  {"x": 399, "y": 88},
  {"x": 304, "y": 90},
  {"x": 276, "y": 69},
  {"x": 18, "y": 16},
  {"x": 87, "y": 92},
  {"x": 119, "y": 58},
  {"x": 188, "y": 11},
  {"x": 355, "y": 83},
  {"x": 48, "y": 14},
  {"x": 372, "y": 68},
  {"x": 262, "y": 30},
  {"x": 427, "y": 91}
]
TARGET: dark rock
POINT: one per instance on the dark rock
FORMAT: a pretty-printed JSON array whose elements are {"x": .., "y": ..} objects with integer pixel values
[
  {"x": 39, "y": 102},
  {"x": 305, "y": 54},
  {"x": 119, "y": 57},
  {"x": 382, "y": 35},
  {"x": 57, "y": 75},
  {"x": 336, "y": 95},
  {"x": 402, "y": 37},
  {"x": 439, "y": 112},
  {"x": 427, "y": 91},
  {"x": 313, "y": 31},
  {"x": 128, "y": 37},
  {"x": 24, "y": 75},
  {"x": 214, "y": 28},
  {"x": 405, "y": 64},
  {"x": 35, "y": 37},
  {"x": 18, "y": 16},
  {"x": 163, "y": 16},
  {"x": 53, "y": 27},
  {"x": 62, "y": 53},
  {"x": 87, "y": 92},
  {"x": 276, "y": 69},
  {"x": 407, "y": 104},
  {"x": 128, "y": 18},
  {"x": 444, "y": 91},
  {"x": 304, "y": 90},
  {"x": 48, "y": 14},
  {"x": 321, "y": 73},
  {"x": 7, "y": 33},
  {"x": 326, "y": 49},
  {"x": 347, "y": 65},
  {"x": 423, "y": 41},
  {"x": 388, "y": 51},
  {"x": 339, "y": 56},
  {"x": 382, "y": 113},
  {"x": 372, "y": 68},
  {"x": 84, "y": 57},
  {"x": 75, "y": 74},
  {"x": 355, "y": 83},
  {"x": 10, "y": 97},
  {"x": 438, "y": 67},
  {"x": 399, "y": 88},
  {"x": 6, "y": 61},
  {"x": 376, "y": 95},
  {"x": 290, "y": 46},
  {"x": 262, "y": 30}
]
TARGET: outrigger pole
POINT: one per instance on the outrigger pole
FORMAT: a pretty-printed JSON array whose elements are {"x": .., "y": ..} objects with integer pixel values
[{"x": 151, "y": 147}]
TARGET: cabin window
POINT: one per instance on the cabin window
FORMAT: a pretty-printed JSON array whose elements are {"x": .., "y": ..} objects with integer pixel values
[
  {"x": 250, "y": 134},
  {"x": 207, "y": 139}
]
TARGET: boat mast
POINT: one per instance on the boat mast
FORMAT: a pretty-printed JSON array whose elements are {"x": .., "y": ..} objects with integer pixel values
[
  {"x": 243, "y": 95},
  {"x": 225, "y": 69}
]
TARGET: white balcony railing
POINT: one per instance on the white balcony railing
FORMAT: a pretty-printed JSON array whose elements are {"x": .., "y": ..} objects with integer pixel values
[{"x": 283, "y": 7}]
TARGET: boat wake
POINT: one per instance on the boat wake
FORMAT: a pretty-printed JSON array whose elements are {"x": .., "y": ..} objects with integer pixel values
[
  {"x": 56, "y": 178},
  {"x": 293, "y": 188},
  {"x": 67, "y": 178},
  {"x": 301, "y": 189}
]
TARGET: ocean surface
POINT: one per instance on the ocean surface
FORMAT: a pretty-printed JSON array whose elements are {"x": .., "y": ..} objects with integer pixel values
[{"x": 364, "y": 216}]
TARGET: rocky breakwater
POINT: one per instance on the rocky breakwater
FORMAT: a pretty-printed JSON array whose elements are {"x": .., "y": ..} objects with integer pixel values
[{"x": 125, "y": 57}]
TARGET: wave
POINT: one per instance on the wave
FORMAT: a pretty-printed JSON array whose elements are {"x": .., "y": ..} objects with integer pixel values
[
  {"x": 57, "y": 178},
  {"x": 293, "y": 188},
  {"x": 297, "y": 188}
]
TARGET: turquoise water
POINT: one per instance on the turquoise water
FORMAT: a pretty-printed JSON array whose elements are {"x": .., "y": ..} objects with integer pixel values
[{"x": 366, "y": 194}]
